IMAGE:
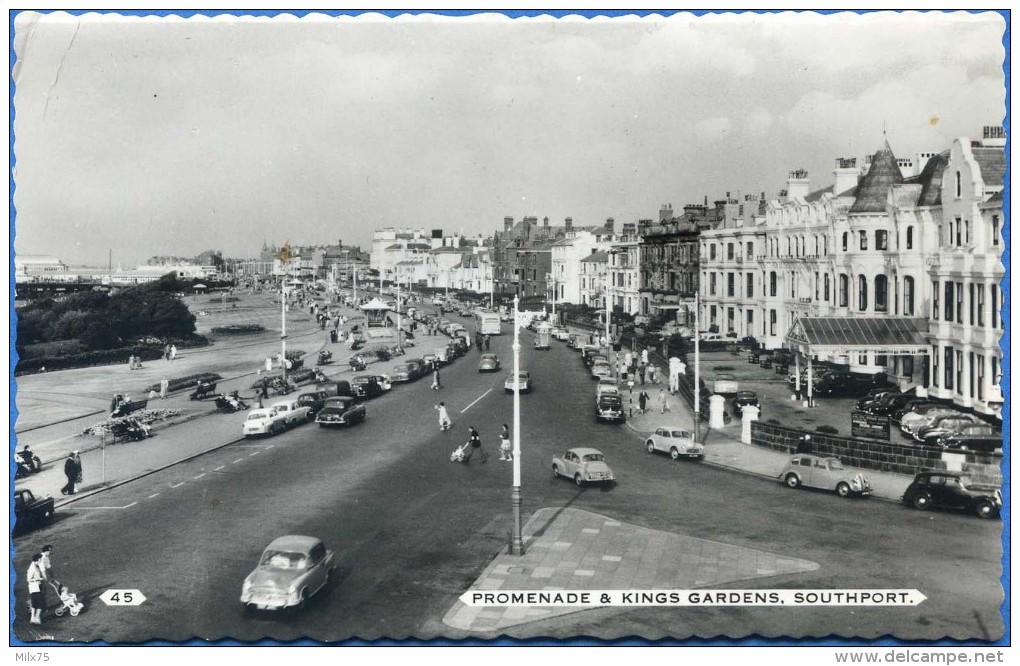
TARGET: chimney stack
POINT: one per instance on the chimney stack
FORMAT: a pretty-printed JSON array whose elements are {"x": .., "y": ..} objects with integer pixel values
[
  {"x": 845, "y": 175},
  {"x": 797, "y": 184},
  {"x": 545, "y": 221},
  {"x": 610, "y": 224},
  {"x": 508, "y": 223},
  {"x": 569, "y": 223}
]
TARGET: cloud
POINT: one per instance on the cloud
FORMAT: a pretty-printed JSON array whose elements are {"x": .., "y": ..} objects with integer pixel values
[
  {"x": 711, "y": 130},
  {"x": 758, "y": 121}
]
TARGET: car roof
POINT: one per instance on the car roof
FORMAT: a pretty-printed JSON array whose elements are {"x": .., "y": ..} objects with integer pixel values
[
  {"x": 260, "y": 411},
  {"x": 364, "y": 378},
  {"x": 294, "y": 542},
  {"x": 488, "y": 356},
  {"x": 339, "y": 399},
  {"x": 583, "y": 451}
]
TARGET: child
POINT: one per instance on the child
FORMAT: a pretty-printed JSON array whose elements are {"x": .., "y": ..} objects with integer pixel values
[
  {"x": 505, "y": 450},
  {"x": 444, "y": 417}
]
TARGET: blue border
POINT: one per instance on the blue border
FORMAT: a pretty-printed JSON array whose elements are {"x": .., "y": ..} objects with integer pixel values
[{"x": 577, "y": 641}]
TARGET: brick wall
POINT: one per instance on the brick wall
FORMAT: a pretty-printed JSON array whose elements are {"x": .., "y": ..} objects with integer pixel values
[{"x": 882, "y": 456}]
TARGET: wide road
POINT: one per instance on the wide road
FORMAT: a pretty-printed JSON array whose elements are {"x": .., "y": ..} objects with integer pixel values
[{"x": 412, "y": 530}]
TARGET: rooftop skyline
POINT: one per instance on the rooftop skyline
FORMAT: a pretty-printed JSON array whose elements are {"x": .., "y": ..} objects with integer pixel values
[{"x": 161, "y": 135}]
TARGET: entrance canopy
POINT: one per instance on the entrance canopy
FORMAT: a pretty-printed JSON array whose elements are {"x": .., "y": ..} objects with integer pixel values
[{"x": 848, "y": 336}]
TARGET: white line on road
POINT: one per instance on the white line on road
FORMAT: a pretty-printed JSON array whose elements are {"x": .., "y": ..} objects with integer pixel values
[
  {"x": 476, "y": 400},
  {"x": 216, "y": 469},
  {"x": 239, "y": 460},
  {"x": 199, "y": 476},
  {"x": 153, "y": 495},
  {"x": 108, "y": 507},
  {"x": 177, "y": 485},
  {"x": 254, "y": 453}
]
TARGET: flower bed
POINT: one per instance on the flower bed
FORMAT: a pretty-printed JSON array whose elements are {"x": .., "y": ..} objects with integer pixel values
[
  {"x": 179, "y": 383},
  {"x": 146, "y": 416}
]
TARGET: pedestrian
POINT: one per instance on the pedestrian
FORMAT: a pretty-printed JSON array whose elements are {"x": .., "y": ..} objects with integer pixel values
[
  {"x": 436, "y": 384},
  {"x": 591, "y": 338},
  {"x": 628, "y": 359},
  {"x": 506, "y": 451},
  {"x": 486, "y": 342},
  {"x": 173, "y": 352},
  {"x": 36, "y": 598},
  {"x": 444, "y": 416},
  {"x": 642, "y": 402},
  {"x": 166, "y": 352},
  {"x": 131, "y": 362},
  {"x": 642, "y": 369},
  {"x": 663, "y": 402},
  {"x": 115, "y": 403},
  {"x": 644, "y": 356},
  {"x": 269, "y": 364},
  {"x": 47, "y": 566},
  {"x": 476, "y": 445},
  {"x": 164, "y": 388},
  {"x": 652, "y": 378},
  {"x": 72, "y": 470}
]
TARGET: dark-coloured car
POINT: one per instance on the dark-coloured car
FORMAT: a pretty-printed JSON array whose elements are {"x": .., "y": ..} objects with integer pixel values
[
  {"x": 340, "y": 411},
  {"x": 314, "y": 400},
  {"x": 366, "y": 387},
  {"x": 876, "y": 396},
  {"x": 31, "y": 512},
  {"x": 744, "y": 399},
  {"x": 336, "y": 389},
  {"x": 918, "y": 406},
  {"x": 609, "y": 407},
  {"x": 952, "y": 490},
  {"x": 403, "y": 372},
  {"x": 889, "y": 403},
  {"x": 982, "y": 438},
  {"x": 488, "y": 363},
  {"x": 850, "y": 384},
  {"x": 947, "y": 425}
]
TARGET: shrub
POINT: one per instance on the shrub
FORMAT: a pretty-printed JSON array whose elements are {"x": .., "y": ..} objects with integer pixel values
[
  {"x": 723, "y": 368},
  {"x": 178, "y": 383},
  {"x": 827, "y": 429},
  {"x": 238, "y": 329},
  {"x": 773, "y": 422},
  {"x": 86, "y": 359},
  {"x": 224, "y": 299}
]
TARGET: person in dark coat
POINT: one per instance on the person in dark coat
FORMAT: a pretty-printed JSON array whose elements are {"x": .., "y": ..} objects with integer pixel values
[
  {"x": 642, "y": 401},
  {"x": 72, "y": 470}
]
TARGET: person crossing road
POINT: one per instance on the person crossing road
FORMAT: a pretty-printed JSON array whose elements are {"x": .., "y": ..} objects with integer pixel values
[{"x": 444, "y": 416}]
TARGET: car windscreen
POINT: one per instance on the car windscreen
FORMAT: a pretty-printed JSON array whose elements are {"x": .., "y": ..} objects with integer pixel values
[
  {"x": 257, "y": 416},
  {"x": 681, "y": 433},
  {"x": 593, "y": 457},
  {"x": 280, "y": 559},
  {"x": 835, "y": 464}
]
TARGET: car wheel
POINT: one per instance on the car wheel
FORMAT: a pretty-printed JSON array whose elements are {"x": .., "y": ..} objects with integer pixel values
[
  {"x": 922, "y": 502},
  {"x": 843, "y": 489},
  {"x": 986, "y": 510},
  {"x": 792, "y": 481},
  {"x": 578, "y": 481},
  {"x": 650, "y": 446},
  {"x": 556, "y": 472},
  {"x": 673, "y": 453}
]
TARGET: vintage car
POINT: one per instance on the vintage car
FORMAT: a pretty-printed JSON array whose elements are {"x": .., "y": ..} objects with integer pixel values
[
  {"x": 725, "y": 384},
  {"x": 911, "y": 423},
  {"x": 340, "y": 411},
  {"x": 488, "y": 363},
  {"x": 609, "y": 407},
  {"x": 292, "y": 412},
  {"x": 384, "y": 382},
  {"x": 583, "y": 466},
  {"x": 745, "y": 399},
  {"x": 263, "y": 421},
  {"x": 314, "y": 400},
  {"x": 947, "y": 425},
  {"x": 291, "y": 570},
  {"x": 404, "y": 372},
  {"x": 522, "y": 383},
  {"x": 29, "y": 511},
  {"x": 823, "y": 472},
  {"x": 850, "y": 384},
  {"x": 676, "y": 442},
  {"x": 366, "y": 387},
  {"x": 443, "y": 355},
  {"x": 973, "y": 438},
  {"x": 561, "y": 334},
  {"x": 606, "y": 385},
  {"x": 952, "y": 490},
  {"x": 601, "y": 369}
]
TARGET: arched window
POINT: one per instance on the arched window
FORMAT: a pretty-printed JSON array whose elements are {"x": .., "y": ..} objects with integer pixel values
[
  {"x": 881, "y": 293},
  {"x": 844, "y": 290},
  {"x": 910, "y": 238},
  {"x": 908, "y": 296},
  {"x": 862, "y": 293}
]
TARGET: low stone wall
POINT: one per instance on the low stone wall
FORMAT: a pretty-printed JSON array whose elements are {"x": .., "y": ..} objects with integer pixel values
[{"x": 881, "y": 456}]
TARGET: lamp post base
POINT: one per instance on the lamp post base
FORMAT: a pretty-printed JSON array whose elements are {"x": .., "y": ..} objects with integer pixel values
[{"x": 516, "y": 540}]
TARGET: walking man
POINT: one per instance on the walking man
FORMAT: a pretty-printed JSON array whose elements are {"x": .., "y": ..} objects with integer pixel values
[
  {"x": 486, "y": 342},
  {"x": 36, "y": 598},
  {"x": 444, "y": 417},
  {"x": 173, "y": 352},
  {"x": 436, "y": 384},
  {"x": 164, "y": 388},
  {"x": 663, "y": 402},
  {"x": 72, "y": 470},
  {"x": 476, "y": 445},
  {"x": 506, "y": 451},
  {"x": 641, "y": 371},
  {"x": 642, "y": 402}
]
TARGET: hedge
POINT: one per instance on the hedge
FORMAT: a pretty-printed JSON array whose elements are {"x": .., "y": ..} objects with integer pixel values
[
  {"x": 238, "y": 329},
  {"x": 178, "y": 383},
  {"x": 86, "y": 359}
]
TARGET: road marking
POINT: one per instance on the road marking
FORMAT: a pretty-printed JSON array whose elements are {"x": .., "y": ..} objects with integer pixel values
[
  {"x": 177, "y": 485},
  {"x": 216, "y": 469},
  {"x": 108, "y": 507},
  {"x": 199, "y": 476},
  {"x": 238, "y": 460},
  {"x": 153, "y": 495},
  {"x": 476, "y": 400},
  {"x": 254, "y": 453}
]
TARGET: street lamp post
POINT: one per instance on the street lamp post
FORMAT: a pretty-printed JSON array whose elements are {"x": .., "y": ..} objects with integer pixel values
[
  {"x": 283, "y": 327},
  {"x": 516, "y": 539},
  {"x": 697, "y": 369},
  {"x": 400, "y": 336}
]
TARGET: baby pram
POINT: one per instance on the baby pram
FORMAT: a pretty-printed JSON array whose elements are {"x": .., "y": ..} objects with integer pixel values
[
  {"x": 462, "y": 453},
  {"x": 68, "y": 601}
]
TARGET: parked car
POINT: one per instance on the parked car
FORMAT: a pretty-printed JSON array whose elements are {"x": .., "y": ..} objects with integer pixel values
[
  {"x": 725, "y": 384},
  {"x": 601, "y": 369},
  {"x": 982, "y": 438},
  {"x": 29, "y": 511},
  {"x": 952, "y": 490},
  {"x": 314, "y": 400},
  {"x": 606, "y": 385},
  {"x": 876, "y": 394},
  {"x": 911, "y": 423},
  {"x": 561, "y": 334},
  {"x": 916, "y": 406},
  {"x": 823, "y": 472},
  {"x": 947, "y": 425},
  {"x": 522, "y": 382},
  {"x": 403, "y": 372},
  {"x": 366, "y": 387},
  {"x": 583, "y": 465},
  {"x": 292, "y": 412},
  {"x": 705, "y": 336},
  {"x": 850, "y": 384},
  {"x": 336, "y": 389},
  {"x": 743, "y": 399},
  {"x": 588, "y": 353},
  {"x": 291, "y": 570},
  {"x": 676, "y": 442},
  {"x": 384, "y": 382},
  {"x": 263, "y": 421},
  {"x": 340, "y": 411},
  {"x": 488, "y": 363},
  {"x": 888, "y": 403},
  {"x": 609, "y": 407},
  {"x": 437, "y": 301}
]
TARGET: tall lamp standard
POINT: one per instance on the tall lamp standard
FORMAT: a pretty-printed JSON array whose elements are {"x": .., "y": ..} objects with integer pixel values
[
  {"x": 283, "y": 325},
  {"x": 516, "y": 539},
  {"x": 697, "y": 367}
]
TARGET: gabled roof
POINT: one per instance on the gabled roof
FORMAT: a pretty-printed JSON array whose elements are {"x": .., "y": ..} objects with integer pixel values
[
  {"x": 873, "y": 189},
  {"x": 931, "y": 180},
  {"x": 992, "y": 162},
  {"x": 598, "y": 257},
  {"x": 817, "y": 194}
]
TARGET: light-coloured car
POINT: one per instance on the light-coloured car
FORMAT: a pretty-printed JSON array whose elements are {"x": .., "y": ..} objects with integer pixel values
[
  {"x": 912, "y": 422},
  {"x": 292, "y": 412},
  {"x": 601, "y": 369},
  {"x": 676, "y": 442},
  {"x": 522, "y": 382},
  {"x": 725, "y": 384},
  {"x": 606, "y": 385},
  {"x": 583, "y": 465},
  {"x": 823, "y": 472},
  {"x": 263, "y": 421},
  {"x": 561, "y": 333},
  {"x": 488, "y": 363},
  {"x": 290, "y": 571}
]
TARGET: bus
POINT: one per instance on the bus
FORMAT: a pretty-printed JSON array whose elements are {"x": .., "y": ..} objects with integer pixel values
[{"x": 488, "y": 322}]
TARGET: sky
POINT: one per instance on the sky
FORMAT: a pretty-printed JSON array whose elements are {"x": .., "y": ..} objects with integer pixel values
[{"x": 142, "y": 136}]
